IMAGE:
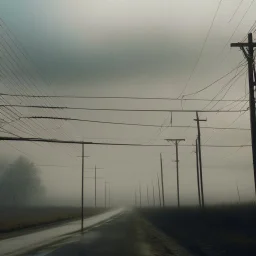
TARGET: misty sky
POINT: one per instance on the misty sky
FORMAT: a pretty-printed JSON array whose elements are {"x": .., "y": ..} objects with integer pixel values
[{"x": 144, "y": 48}]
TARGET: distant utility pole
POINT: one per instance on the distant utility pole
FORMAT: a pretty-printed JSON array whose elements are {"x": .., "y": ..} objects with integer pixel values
[
  {"x": 238, "y": 193},
  {"x": 162, "y": 180},
  {"x": 153, "y": 194},
  {"x": 105, "y": 194},
  {"x": 95, "y": 185},
  {"x": 82, "y": 190},
  {"x": 140, "y": 193},
  {"x": 248, "y": 51},
  {"x": 109, "y": 195},
  {"x": 176, "y": 142},
  {"x": 147, "y": 195},
  {"x": 198, "y": 175},
  {"x": 159, "y": 193},
  {"x": 135, "y": 198},
  {"x": 198, "y": 120}
]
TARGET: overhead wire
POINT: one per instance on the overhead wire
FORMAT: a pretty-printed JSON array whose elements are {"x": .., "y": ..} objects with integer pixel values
[
  {"x": 235, "y": 78},
  {"x": 25, "y": 54},
  {"x": 216, "y": 81},
  {"x": 236, "y": 10},
  {"x": 48, "y": 140},
  {"x": 229, "y": 88},
  {"x": 125, "y": 123},
  {"x": 235, "y": 103},
  {"x": 119, "y": 109},
  {"x": 229, "y": 124},
  {"x": 16, "y": 63},
  {"x": 17, "y": 46},
  {"x": 240, "y": 64},
  {"x": 202, "y": 48},
  {"x": 107, "y": 97},
  {"x": 238, "y": 25}
]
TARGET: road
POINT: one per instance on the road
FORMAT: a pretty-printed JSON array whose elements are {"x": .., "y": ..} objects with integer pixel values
[
  {"x": 126, "y": 234},
  {"x": 21, "y": 244},
  {"x": 120, "y": 232},
  {"x": 114, "y": 237}
]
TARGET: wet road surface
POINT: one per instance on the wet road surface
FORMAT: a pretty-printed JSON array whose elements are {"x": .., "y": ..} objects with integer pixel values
[{"x": 117, "y": 236}]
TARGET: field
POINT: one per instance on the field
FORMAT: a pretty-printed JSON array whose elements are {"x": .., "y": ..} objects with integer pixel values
[
  {"x": 14, "y": 219},
  {"x": 222, "y": 230}
]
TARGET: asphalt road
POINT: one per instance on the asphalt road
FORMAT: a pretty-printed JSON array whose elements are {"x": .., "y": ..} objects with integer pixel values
[
  {"x": 117, "y": 236},
  {"x": 21, "y": 244}
]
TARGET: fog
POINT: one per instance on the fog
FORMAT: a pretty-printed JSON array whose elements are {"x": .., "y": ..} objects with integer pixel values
[{"x": 128, "y": 48}]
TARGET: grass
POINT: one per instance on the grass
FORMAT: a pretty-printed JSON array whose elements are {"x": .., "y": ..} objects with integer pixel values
[
  {"x": 217, "y": 230},
  {"x": 14, "y": 218}
]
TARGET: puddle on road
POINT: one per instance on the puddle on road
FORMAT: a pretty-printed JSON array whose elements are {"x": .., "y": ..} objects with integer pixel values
[{"x": 90, "y": 237}]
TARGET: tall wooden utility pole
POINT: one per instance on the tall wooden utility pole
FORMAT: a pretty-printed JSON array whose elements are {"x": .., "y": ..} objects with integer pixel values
[
  {"x": 153, "y": 194},
  {"x": 162, "y": 180},
  {"x": 198, "y": 175},
  {"x": 248, "y": 50},
  {"x": 176, "y": 143},
  {"x": 159, "y": 192},
  {"x": 198, "y": 120}
]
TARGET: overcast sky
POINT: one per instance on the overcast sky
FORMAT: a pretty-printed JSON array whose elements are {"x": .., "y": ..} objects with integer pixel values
[{"x": 147, "y": 48}]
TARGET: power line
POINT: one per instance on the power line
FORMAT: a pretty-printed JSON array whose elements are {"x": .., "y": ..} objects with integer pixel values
[
  {"x": 241, "y": 114},
  {"x": 214, "y": 82},
  {"x": 232, "y": 84},
  {"x": 202, "y": 49},
  {"x": 47, "y": 140},
  {"x": 213, "y": 99},
  {"x": 130, "y": 124},
  {"x": 238, "y": 102},
  {"x": 106, "y": 97},
  {"x": 238, "y": 25},
  {"x": 236, "y": 77},
  {"x": 116, "y": 109},
  {"x": 236, "y": 10},
  {"x": 11, "y": 52}
]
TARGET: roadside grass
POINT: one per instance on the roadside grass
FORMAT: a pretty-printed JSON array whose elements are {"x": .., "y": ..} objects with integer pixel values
[
  {"x": 216, "y": 230},
  {"x": 18, "y": 218}
]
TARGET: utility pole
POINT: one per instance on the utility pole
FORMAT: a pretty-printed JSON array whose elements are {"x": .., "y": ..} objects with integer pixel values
[
  {"x": 176, "y": 143},
  {"x": 238, "y": 193},
  {"x": 198, "y": 175},
  {"x": 153, "y": 190},
  {"x": 105, "y": 194},
  {"x": 135, "y": 198},
  {"x": 198, "y": 120},
  {"x": 248, "y": 51},
  {"x": 82, "y": 195},
  {"x": 147, "y": 195},
  {"x": 95, "y": 185},
  {"x": 140, "y": 194},
  {"x": 82, "y": 190},
  {"x": 159, "y": 193},
  {"x": 109, "y": 195},
  {"x": 162, "y": 180}
]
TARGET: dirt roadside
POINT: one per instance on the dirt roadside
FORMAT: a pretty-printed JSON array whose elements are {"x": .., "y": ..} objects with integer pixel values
[{"x": 153, "y": 242}]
